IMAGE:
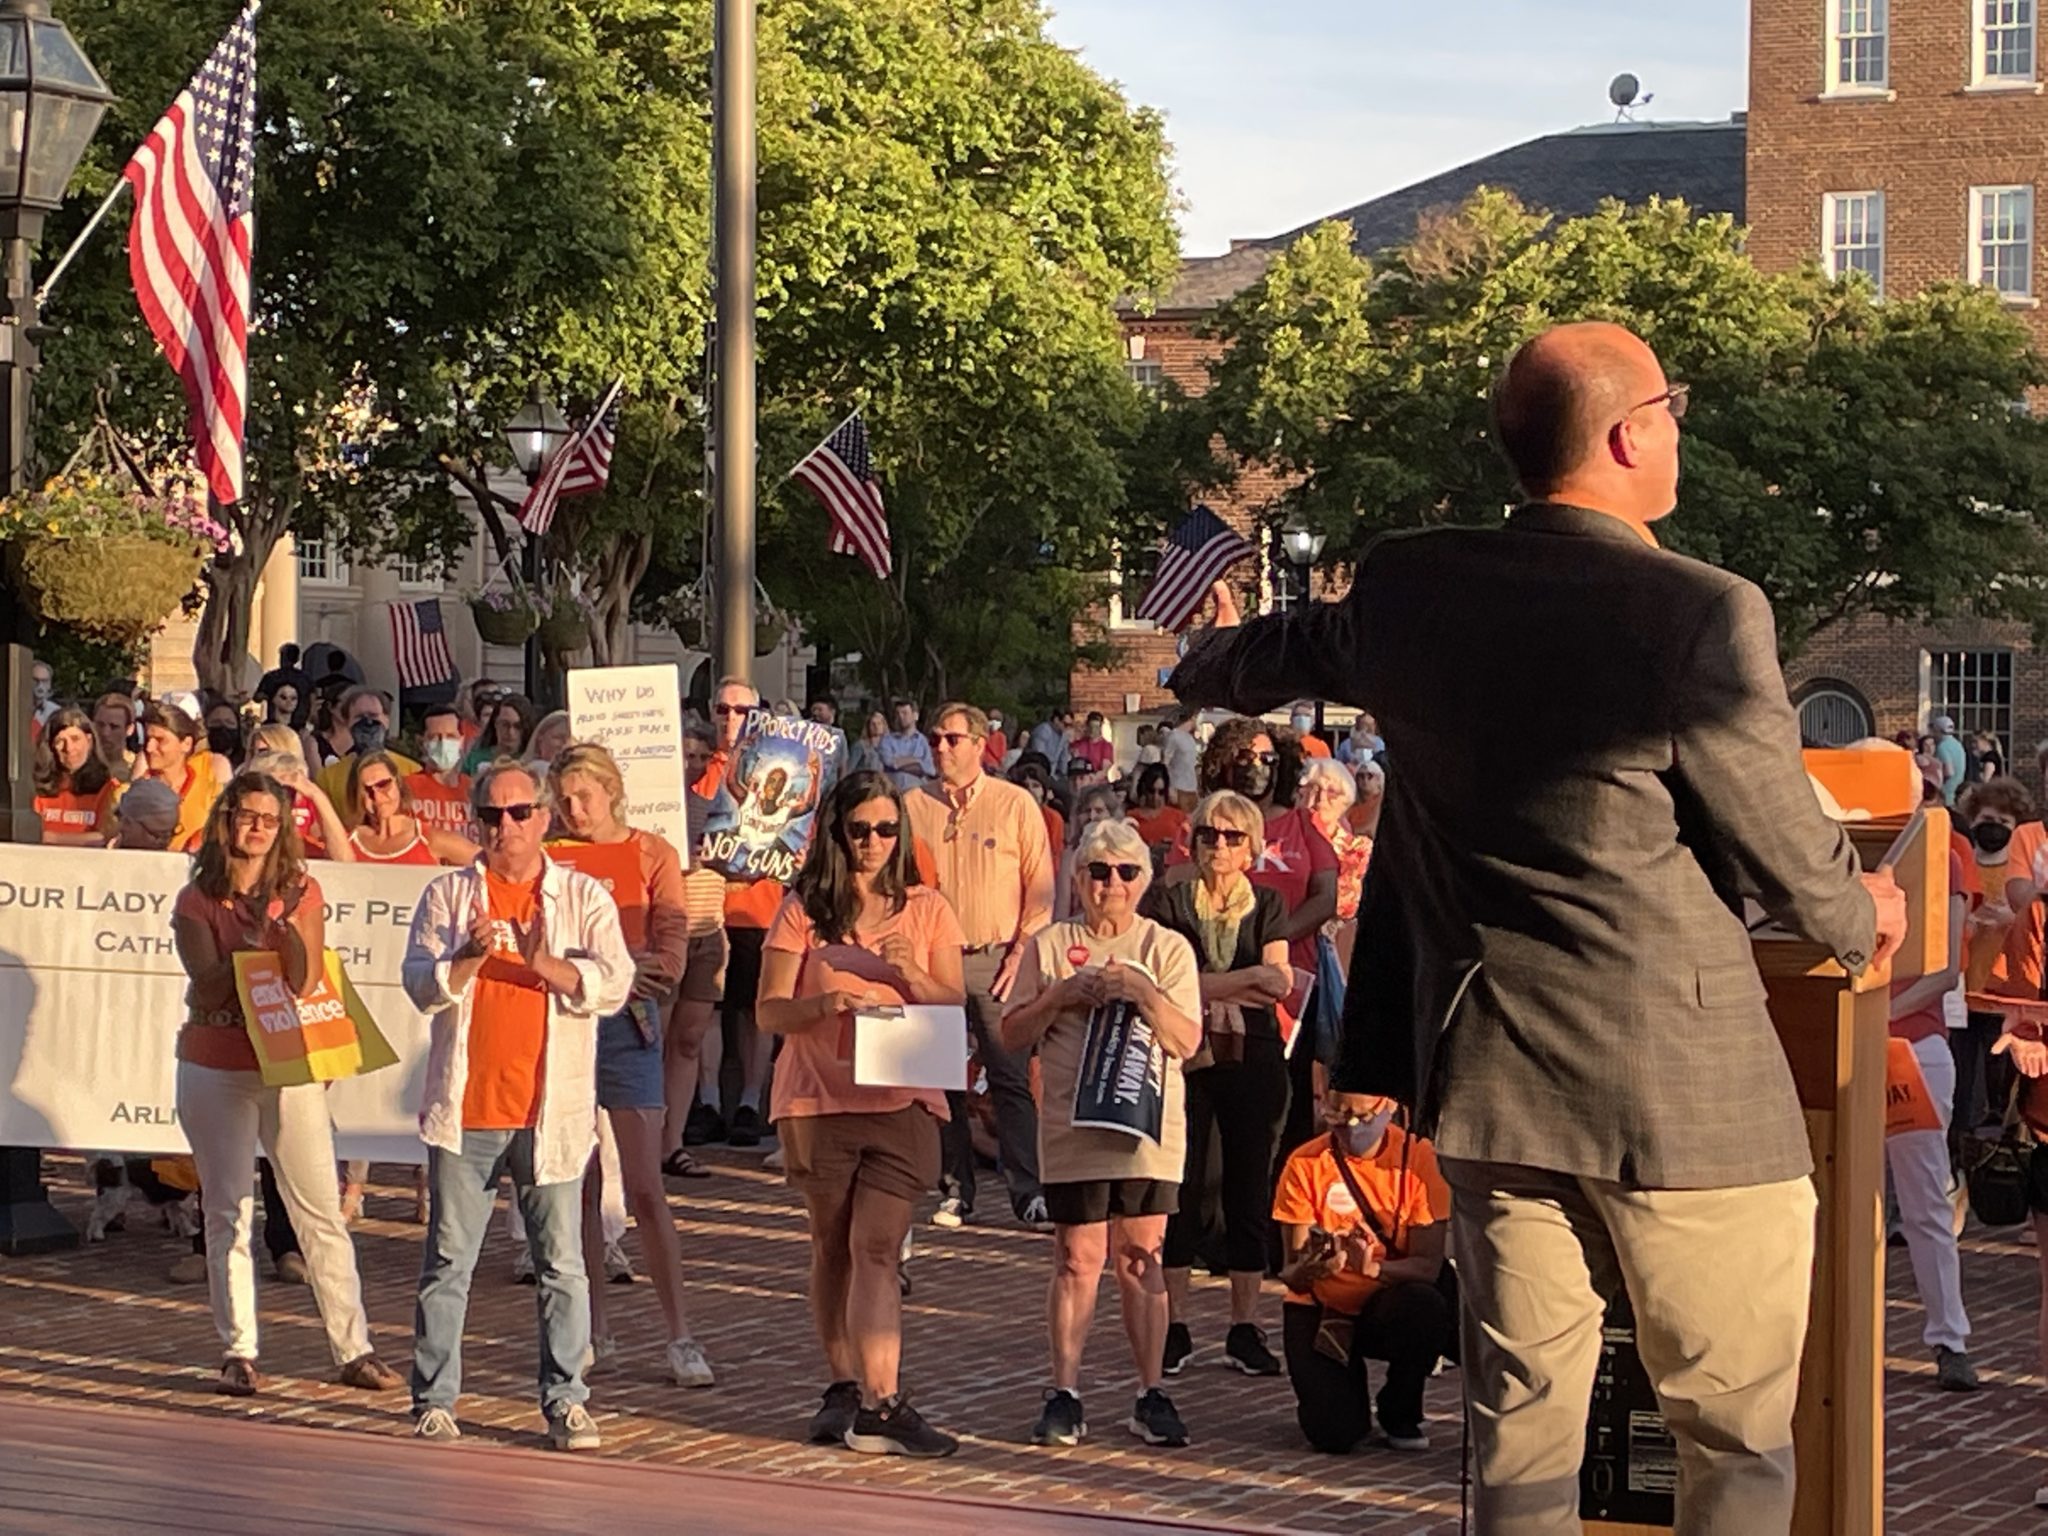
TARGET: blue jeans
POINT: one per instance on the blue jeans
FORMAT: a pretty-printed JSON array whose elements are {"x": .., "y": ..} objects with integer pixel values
[{"x": 464, "y": 1187}]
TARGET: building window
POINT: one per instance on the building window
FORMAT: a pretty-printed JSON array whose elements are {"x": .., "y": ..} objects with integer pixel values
[
  {"x": 2002, "y": 239},
  {"x": 1832, "y": 714},
  {"x": 1857, "y": 31},
  {"x": 419, "y": 574},
  {"x": 320, "y": 564},
  {"x": 2004, "y": 43},
  {"x": 1146, "y": 373},
  {"x": 1854, "y": 234},
  {"x": 1973, "y": 688},
  {"x": 1132, "y": 576}
]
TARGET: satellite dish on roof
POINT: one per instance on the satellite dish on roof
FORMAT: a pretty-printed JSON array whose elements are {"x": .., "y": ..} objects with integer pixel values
[{"x": 1624, "y": 92}]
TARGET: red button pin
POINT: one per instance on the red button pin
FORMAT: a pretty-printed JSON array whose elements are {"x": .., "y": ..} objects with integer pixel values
[{"x": 1078, "y": 956}]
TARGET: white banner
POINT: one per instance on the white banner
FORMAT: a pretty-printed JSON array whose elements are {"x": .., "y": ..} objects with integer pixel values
[
  {"x": 637, "y": 712},
  {"x": 92, "y": 996}
]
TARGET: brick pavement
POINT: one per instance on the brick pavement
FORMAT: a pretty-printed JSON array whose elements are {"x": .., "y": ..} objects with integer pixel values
[{"x": 103, "y": 1325}]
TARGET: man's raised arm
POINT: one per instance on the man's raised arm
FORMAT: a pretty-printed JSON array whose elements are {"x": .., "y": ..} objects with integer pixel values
[{"x": 1316, "y": 651}]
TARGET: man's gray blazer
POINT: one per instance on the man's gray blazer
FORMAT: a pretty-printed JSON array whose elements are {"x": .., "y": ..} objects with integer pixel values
[{"x": 1591, "y": 762}]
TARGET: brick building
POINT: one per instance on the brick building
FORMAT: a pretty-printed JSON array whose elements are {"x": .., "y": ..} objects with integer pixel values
[
  {"x": 1567, "y": 173},
  {"x": 1905, "y": 139}
]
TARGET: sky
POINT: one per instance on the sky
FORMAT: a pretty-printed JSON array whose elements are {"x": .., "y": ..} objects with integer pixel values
[{"x": 1283, "y": 111}]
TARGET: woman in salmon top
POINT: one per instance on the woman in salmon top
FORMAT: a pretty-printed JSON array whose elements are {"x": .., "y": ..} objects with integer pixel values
[
  {"x": 858, "y": 928},
  {"x": 644, "y": 875},
  {"x": 386, "y": 831},
  {"x": 74, "y": 791},
  {"x": 250, "y": 891}
]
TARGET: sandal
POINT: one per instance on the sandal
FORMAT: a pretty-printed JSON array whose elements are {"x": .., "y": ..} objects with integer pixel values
[
  {"x": 370, "y": 1374},
  {"x": 680, "y": 1164},
  {"x": 239, "y": 1378}
]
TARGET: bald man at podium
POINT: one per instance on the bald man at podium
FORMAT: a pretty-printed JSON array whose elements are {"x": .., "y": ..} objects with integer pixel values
[{"x": 1593, "y": 763}]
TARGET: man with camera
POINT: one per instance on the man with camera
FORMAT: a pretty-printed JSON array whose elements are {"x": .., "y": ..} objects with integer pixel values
[{"x": 1362, "y": 1213}]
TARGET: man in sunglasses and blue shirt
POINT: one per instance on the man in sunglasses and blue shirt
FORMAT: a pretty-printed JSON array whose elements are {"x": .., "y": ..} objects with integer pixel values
[{"x": 517, "y": 957}]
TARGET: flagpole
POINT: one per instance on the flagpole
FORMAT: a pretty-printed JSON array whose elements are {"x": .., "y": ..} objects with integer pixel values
[
  {"x": 821, "y": 443},
  {"x": 77, "y": 245}
]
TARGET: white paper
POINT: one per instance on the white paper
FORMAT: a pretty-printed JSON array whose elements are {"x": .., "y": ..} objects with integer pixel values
[
  {"x": 922, "y": 1045},
  {"x": 637, "y": 712}
]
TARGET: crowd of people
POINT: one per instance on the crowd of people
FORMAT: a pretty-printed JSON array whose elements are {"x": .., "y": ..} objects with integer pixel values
[{"x": 593, "y": 990}]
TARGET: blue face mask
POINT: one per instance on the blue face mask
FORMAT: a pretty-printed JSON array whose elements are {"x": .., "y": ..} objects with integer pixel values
[{"x": 1361, "y": 1136}]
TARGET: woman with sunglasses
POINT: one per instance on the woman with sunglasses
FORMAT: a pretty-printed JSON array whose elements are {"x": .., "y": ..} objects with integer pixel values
[
  {"x": 386, "y": 831},
  {"x": 250, "y": 890},
  {"x": 1237, "y": 1084},
  {"x": 858, "y": 928},
  {"x": 645, "y": 877},
  {"x": 1106, "y": 1190}
]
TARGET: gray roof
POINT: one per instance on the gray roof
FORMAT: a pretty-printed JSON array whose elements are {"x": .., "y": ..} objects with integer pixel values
[{"x": 1568, "y": 174}]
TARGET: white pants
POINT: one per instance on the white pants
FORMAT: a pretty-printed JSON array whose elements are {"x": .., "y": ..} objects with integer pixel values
[
  {"x": 227, "y": 1116},
  {"x": 611, "y": 1212},
  {"x": 1920, "y": 1178}
]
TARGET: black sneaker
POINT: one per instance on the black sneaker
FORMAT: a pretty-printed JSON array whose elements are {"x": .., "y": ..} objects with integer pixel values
[
  {"x": 1179, "y": 1345},
  {"x": 1154, "y": 1420},
  {"x": 833, "y": 1421},
  {"x": 1059, "y": 1421},
  {"x": 704, "y": 1126},
  {"x": 1245, "y": 1350},
  {"x": 746, "y": 1127},
  {"x": 893, "y": 1428}
]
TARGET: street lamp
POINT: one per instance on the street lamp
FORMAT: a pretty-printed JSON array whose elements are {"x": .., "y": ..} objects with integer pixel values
[
  {"x": 535, "y": 433},
  {"x": 51, "y": 101},
  {"x": 1303, "y": 546}
]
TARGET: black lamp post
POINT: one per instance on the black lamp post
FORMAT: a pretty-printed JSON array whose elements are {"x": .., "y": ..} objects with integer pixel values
[
  {"x": 1304, "y": 547},
  {"x": 535, "y": 434},
  {"x": 51, "y": 101}
]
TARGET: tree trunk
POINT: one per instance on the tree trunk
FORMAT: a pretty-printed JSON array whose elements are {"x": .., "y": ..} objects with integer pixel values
[
  {"x": 615, "y": 579},
  {"x": 223, "y": 637}
]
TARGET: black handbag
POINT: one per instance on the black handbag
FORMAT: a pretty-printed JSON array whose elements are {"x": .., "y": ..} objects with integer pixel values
[{"x": 2000, "y": 1179}]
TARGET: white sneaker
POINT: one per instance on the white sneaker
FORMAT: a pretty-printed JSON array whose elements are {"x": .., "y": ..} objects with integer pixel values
[
  {"x": 1036, "y": 1216},
  {"x": 2041, "y": 1497},
  {"x": 436, "y": 1424},
  {"x": 687, "y": 1364},
  {"x": 573, "y": 1429},
  {"x": 617, "y": 1267},
  {"x": 951, "y": 1213}
]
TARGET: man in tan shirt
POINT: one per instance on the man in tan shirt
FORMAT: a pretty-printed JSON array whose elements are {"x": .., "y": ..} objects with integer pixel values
[{"x": 987, "y": 838}]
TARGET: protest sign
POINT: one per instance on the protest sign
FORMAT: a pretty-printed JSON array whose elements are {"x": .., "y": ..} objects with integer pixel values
[
  {"x": 637, "y": 712},
  {"x": 761, "y": 820},
  {"x": 1121, "y": 1085}
]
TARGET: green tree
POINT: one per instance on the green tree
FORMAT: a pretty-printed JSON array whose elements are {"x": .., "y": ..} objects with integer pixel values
[{"x": 1849, "y": 456}]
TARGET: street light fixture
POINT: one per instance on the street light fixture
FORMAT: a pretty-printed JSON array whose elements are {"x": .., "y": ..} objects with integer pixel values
[
  {"x": 1303, "y": 546},
  {"x": 535, "y": 434},
  {"x": 51, "y": 101}
]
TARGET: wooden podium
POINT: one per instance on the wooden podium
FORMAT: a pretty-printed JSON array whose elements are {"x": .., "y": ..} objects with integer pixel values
[{"x": 1834, "y": 1029}]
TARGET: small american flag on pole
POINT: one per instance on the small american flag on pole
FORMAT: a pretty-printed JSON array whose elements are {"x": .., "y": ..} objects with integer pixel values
[
  {"x": 581, "y": 467},
  {"x": 419, "y": 640},
  {"x": 1198, "y": 550},
  {"x": 841, "y": 474},
  {"x": 189, "y": 246}
]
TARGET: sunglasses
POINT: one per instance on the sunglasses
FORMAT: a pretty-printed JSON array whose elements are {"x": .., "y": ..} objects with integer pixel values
[
  {"x": 494, "y": 815},
  {"x": 1127, "y": 873},
  {"x": 728, "y": 710},
  {"x": 258, "y": 820},
  {"x": 952, "y": 740},
  {"x": 1229, "y": 837},
  {"x": 861, "y": 831},
  {"x": 1267, "y": 758},
  {"x": 379, "y": 786}
]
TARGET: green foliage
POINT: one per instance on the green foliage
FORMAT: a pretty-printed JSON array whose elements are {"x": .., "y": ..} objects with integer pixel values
[{"x": 1848, "y": 455}]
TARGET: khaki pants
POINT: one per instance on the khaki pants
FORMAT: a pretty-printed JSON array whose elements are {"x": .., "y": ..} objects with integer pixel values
[{"x": 1719, "y": 1280}]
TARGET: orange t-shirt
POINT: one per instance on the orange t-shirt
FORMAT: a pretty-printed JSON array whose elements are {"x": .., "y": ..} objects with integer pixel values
[
  {"x": 1313, "y": 746},
  {"x": 1931, "y": 1021},
  {"x": 70, "y": 815},
  {"x": 2017, "y": 970},
  {"x": 814, "y": 1073},
  {"x": 1055, "y": 826},
  {"x": 1313, "y": 1193},
  {"x": 508, "y": 1025},
  {"x": 438, "y": 808},
  {"x": 1161, "y": 826}
]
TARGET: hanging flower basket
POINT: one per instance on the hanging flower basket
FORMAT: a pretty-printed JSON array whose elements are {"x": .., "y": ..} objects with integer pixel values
[
  {"x": 771, "y": 627},
  {"x": 503, "y": 618},
  {"x": 89, "y": 556},
  {"x": 566, "y": 628}
]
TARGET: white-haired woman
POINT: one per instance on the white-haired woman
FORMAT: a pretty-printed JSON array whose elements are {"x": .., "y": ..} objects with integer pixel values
[
  {"x": 1097, "y": 803},
  {"x": 1327, "y": 793},
  {"x": 1105, "y": 1188}
]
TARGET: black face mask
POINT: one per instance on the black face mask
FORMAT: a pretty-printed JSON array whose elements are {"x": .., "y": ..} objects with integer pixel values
[
  {"x": 224, "y": 739},
  {"x": 1251, "y": 779},
  {"x": 367, "y": 735},
  {"x": 1991, "y": 836}
]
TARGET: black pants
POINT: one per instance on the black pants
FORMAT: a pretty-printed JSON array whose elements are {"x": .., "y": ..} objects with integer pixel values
[
  {"x": 1240, "y": 1105},
  {"x": 1009, "y": 1084},
  {"x": 1981, "y": 1087},
  {"x": 1408, "y": 1325}
]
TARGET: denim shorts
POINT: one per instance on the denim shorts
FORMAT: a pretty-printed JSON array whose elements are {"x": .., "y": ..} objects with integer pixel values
[{"x": 628, "y": 1066}]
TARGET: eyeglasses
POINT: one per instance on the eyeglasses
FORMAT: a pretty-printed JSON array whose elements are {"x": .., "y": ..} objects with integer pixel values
[
  {"x": 379, "y": 786},
  {"x": 493, "y": 815},
  {"x": 726, "y": 711},
  {"x": 1673, "y": 398},
  {"x": 1267, "y": 759},
  {"x": 247, "y": 821},
  {"x": 861, "y": 831},
  {"x": 1127, "y": 873},
  {"x": 1229, "y": 837},
  {"x": 952, "y": 740}
]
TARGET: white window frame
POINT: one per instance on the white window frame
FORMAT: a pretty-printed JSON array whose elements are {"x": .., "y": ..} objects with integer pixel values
[
  {"x": 1976, "y": 675},
  {"x": 1833, "y": 203},
  {"x": 1989, "y": 16},
  {"x": 1975, "y": 266},
  {"x": 1877, "y": 22},
  {"x": 332, "y": 569},
  {"x": 1118, "y": 620},
  {"x": 1148, "y": 373},
  {"x": 417, "y": 575}
]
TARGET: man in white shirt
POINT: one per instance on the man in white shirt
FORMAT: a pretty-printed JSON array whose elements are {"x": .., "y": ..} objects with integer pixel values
[
  {"x": 906, "y": 755},
  {"x": 1181, "y": 754}
]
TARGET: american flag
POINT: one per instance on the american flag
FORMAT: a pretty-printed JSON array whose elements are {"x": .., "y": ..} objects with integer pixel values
[
  {"x": 189, "y": 244},
  {"x": 581, "y": 467},
  {"x": 420, "y": 642},
  {"x": 1200, "y": 548},
  {"x": 841, "y": 474}
]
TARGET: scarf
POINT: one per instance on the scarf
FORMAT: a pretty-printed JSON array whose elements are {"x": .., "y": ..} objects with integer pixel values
[{"x": 1223, "y": 1024}]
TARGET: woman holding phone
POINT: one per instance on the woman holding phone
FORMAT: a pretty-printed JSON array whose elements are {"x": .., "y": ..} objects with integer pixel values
[{"x": 856, "y": 930}]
